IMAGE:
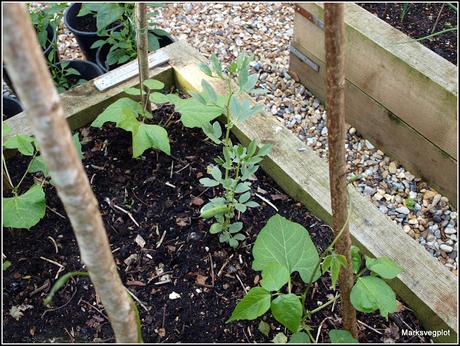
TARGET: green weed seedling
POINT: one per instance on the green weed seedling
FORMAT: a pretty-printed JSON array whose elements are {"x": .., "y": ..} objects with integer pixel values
[
  {"x": 26, "y": 209},
  {"x": 284, "y": 247}
]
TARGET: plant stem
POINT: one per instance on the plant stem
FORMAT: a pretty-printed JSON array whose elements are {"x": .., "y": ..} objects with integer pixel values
[
  {"x": 6, "y": 174},
  {"x": 325, "y": 252},
  {"x": 25, "y": 173},
  {"x": 227, "y": 143},
  {"x": 319, "y": 308}
]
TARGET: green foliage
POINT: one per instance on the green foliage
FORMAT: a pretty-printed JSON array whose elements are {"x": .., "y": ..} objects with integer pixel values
[
  {"x": 280, "y": 338},
  {"x": 299, "y": 338},
  {"x": 339, "y": 336},
  {"x": 238, "y": 163},
  {"x": 6, "y": 265},
  {"x": 122, "y": 41},
  {"x": 254, "y": 304},
  {"x": 263, "y": 326},
  {"x": 410, "y": 203},
  {"x": 59, "y": 283},
  {"x": 355, "y": 259},
  {"x": 371, "y": 293},
  {"x": 383, "y": 266},
  {"x": 23, "y": 143},
  {"x": 128, "y": 115},
  {"x": 26, "y": 210},
  {"x": 287, "y": 310},
  {"x": 62, "y": 75},
  {"x": 288, "y": 244},
  {"x": 333, "y": 263},
  {"x": 47, "y": 15},
  {"x": 283, "y": 247}
]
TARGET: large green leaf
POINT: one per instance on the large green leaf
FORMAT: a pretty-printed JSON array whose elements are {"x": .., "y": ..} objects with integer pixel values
[
  {"x": 23, "y": 143},
  {"x": 287, "y": 310},
  {"x": 111, "y": 13},
  {"x": 115, "y": 111},
  {"x": 383, "y": 266},
  {"x": 274, "y": 276},
  {"x": 254, "y": 304},
  {"x": 339, "y": 336},
  {"x": 371, "y": 293},
  {"x": 26, "y": 210},
  {"x": 195, "y": 114},
  {"x": 150, "y": 136},
  {"x": 287, "y": 243}
]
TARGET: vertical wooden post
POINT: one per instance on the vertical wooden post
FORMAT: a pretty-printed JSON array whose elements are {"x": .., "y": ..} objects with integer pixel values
[
  {"x": 142, "y": 51},
  {"x": 335, "y": 80},
  {"x": 32, "y": 80}
]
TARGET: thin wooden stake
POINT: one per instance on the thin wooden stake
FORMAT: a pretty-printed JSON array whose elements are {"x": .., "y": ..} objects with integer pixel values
[
  {"x": 142, "y": 52},
  {"x": 31, "y": 77},
  {"x": 335, "y": 80}
]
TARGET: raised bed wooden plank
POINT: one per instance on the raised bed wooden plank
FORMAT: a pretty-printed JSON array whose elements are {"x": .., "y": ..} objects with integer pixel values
[
  {"x": 406, "y": 145},
  {"x": 410, "y": 80},
  {"x": 425, "y": 285},
  {"x": 83, "y": 103}
]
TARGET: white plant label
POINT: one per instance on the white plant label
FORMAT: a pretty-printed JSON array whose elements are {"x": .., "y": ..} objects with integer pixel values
[{"x": 121, "y": 74}]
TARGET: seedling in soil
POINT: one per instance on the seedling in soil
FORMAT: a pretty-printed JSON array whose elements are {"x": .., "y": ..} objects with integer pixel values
[
  {"x": 131, "y": 115},
  {"x": 65, "y": 77},
  {"x": 284, "y": 247},
  {"x": 122, "y": 42},
  {"x": 233, "y": 170},
  {"x": 26, "y": 209}
]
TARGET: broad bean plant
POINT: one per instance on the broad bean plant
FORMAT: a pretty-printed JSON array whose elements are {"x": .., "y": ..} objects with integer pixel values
[
  {"x": 26, "y": 209},
  {"x": 284, "y": 247},
  {"x": 232, "y": 170}
]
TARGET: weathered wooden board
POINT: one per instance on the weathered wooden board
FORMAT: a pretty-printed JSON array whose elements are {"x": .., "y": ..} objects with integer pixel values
[
  {"x": 385, "y": 130},
  {"x": 425, "y": 285},
  {"x": 83, "y": 103},
  {"x": 408, "y": 81}
]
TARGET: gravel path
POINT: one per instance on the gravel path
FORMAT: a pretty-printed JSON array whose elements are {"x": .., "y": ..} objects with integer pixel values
[{"x": 265, "y": 30}]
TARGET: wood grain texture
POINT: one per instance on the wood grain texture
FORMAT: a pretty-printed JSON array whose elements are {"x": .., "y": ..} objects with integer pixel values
[
  {"x": 386, "y": 131},
  {"x": 425, "y": 285},
  {"x": 410, "y": 80}
]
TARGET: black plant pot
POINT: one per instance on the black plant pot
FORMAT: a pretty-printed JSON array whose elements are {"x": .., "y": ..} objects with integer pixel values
[
  {"x": 84, "y": 29},
  {"x": 103, "y": 51},
  {"x": 47, "y": 51},
  {"x": 87, "y": 69},
  {"x": 11, "y": 107}
]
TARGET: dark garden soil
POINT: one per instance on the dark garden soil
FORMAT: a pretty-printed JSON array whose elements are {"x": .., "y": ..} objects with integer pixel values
[
  {"x": 86, "y": 23},
  {"x": 419, "y": 22},
  {"x": 163, "y": 195}
]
